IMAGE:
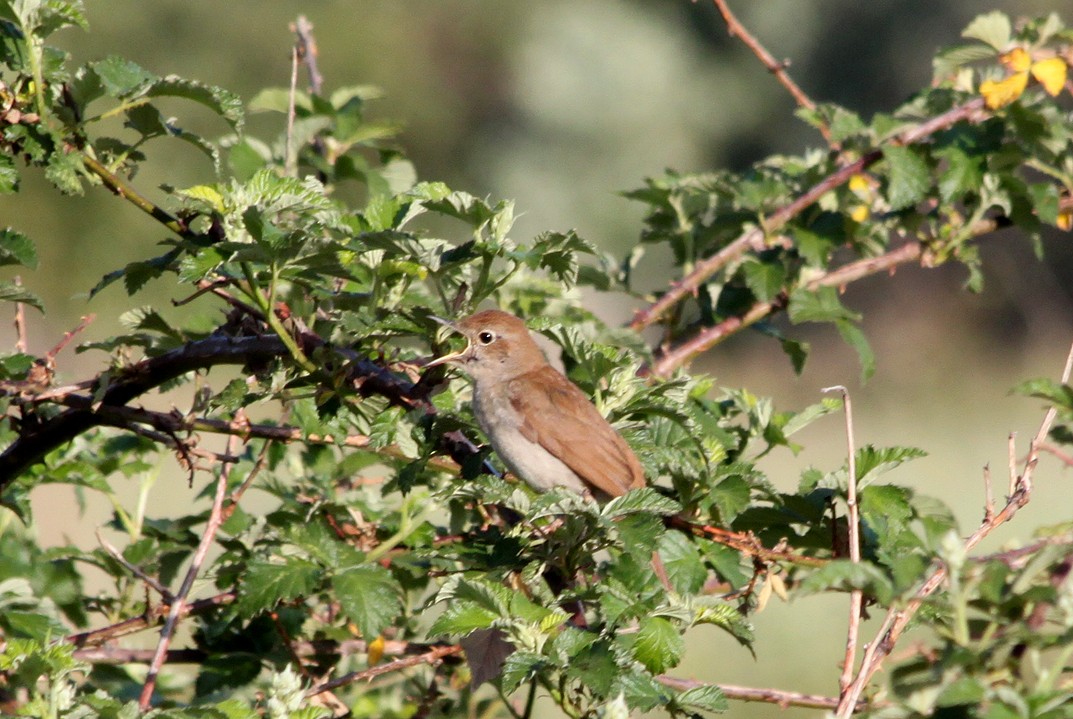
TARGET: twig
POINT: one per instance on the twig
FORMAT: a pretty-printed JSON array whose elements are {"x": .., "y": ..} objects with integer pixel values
[
  {"x": 21, "y": 345},
  {"x": 751, "y": 694},
  {"x": 1011, "y": 456},
  {"x": 745, "y": 543},
  {"x": 83, "y": 323},
  {"x": 236, "y": 495},
  {"x": 96, "y": 637},
  {"x": 666, "y": 361},
  {"x": 365, "y": 376},
  {"x": 989, "y": 498},
  {"x": 166, "y": 633},
  {"x": 856, "y": 597},
  {"x": 755, "y": 238},
  {"x": 896, "y": 620},
  {"x": 136, "y": 571},
  {"x": 1065, "y": 457},
  {"x": 307, "y": 52},
  {"x": 291, "y": 160},
  {"x": 128, "y": 193},
  {"x": 316, "y": 648},
  {"x": 173, "y": 422},
  {"x": 776, "y": 68},
  {"x": 432, "y": 657}
]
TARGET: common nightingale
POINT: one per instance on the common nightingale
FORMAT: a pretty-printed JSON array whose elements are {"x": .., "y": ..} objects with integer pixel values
[{"x": 540, "y": 424}]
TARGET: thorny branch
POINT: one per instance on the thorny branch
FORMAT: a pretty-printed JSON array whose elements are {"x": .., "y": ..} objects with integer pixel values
[
  {"x": 775, "y": 67},
  {"x": 898, "y": 617},
  {"x": 756, "y": 238}
]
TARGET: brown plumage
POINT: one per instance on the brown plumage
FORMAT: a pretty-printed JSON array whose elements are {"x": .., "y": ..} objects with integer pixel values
[{"x": 543, "y": 427}]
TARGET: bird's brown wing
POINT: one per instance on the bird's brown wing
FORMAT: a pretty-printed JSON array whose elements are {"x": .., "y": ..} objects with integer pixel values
[{"x": 575, "y": 432}]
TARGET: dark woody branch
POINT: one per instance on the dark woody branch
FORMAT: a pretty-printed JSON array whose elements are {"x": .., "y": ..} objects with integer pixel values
[{"x": 37, "y": 439}]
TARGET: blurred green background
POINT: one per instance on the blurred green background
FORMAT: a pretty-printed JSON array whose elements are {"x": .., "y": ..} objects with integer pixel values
[{"x": 561, "y": 105}]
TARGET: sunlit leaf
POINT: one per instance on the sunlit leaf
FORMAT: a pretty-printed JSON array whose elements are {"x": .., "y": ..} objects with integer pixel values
[
  {"x": 999, "y": 93},
  {"x": 1051, "y": 73}
]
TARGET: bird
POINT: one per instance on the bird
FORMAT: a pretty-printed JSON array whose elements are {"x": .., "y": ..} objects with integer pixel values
[{"x": 543, "y": 426}]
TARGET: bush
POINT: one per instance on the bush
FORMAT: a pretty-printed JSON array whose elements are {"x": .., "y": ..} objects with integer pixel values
[{"x": 396, "y": 572}]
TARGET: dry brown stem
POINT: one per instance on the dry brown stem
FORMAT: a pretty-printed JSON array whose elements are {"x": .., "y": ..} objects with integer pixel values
[{"x": 897, "y": 618}]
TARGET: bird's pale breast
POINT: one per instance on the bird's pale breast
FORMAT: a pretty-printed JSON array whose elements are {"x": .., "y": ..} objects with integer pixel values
[{"x": 537, "y": 466}]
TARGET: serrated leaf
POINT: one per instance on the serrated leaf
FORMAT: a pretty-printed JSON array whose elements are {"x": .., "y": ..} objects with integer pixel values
[
  {"x": 63, "y": 172},
  {"x": 461, "y": 618},
  {"x": 764, "y": 279},
  {"x": 962, "y": 174},
  {"x": 1056, "y": 393},
  {"x": 994, "y": 28},
  {"x": 683, "y": 563},
  {"x": 369, "y": 597},
  {"x": 948, "y": 61},
  {"x": 226, "y": 104},
  {"x": 708, "y": 698},
  {"x": 722, "y": 614},
  {"x": 266, "y": 584},
  {"x": 642, "y": 691},
  {"x": 810, "y": 414},
  {"x": 17, "y": 249},
  {"x": 517, "y": 668},
  {"x": 910, "y": 177},
  {"x": 844, "y": 575},
  {"x": 819, "y": 305},
  {"x": 873, "y": 462},
  {"x": 120, "y": 77},
  {"x": 658, "y": 644},
  {"x": 9, "y": 175},
  {"x": 10, "y": 292},
  {"x": 854, "y": 336},
  {"x": 645, "y": 499}
]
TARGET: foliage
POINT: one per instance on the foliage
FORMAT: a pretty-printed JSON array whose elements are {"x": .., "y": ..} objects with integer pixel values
[{"x": 392, "y": 540}]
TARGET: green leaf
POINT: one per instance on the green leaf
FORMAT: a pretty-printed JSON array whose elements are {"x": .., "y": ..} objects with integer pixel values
[
  {"x": 873, "y": 462},
  {"x": 266, "y": 584},
  {"x": 641, "y": 690},
  {"x": 9, "y": 175},
  {"x": 1060, "y": 395},
  {"x": 461, "y": 618},
  {"x": 10, "y": 292},
  {"x": 718, "y": 612},
  {"x": 645, "y": 499},
  {"x": 519, "y": 667},
  {"x": 658, "y": 644},
  {"x": 949, "y": 60},
  {"x": 226, "y": 104},
  {"x": 682, "y": 562},
  {"x": 844, "y": 575},
  {"x": 595, "y": 667},
  {"x": 961, "y": 175},
  {"x": 855, "y": 338},
  {"x": 910, "y": 177},
  {"x": 63, "y": 172},
  {"x": 709, "y": 698},
  {"x": 17, "y": 249},
  {"x": 369, "y": 596},
  {"x": 819, "y": 305},
  {"x": 993, "y": 28},
  {"x": 764, "y": 279},
  {"x": 121, "y": 77}
]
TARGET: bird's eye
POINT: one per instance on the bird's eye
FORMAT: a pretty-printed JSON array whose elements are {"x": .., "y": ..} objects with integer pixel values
[{"x": 486, "y": 337}]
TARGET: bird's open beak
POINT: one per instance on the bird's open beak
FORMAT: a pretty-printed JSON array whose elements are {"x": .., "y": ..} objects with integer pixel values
[{"x": 454, "y": 356}]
